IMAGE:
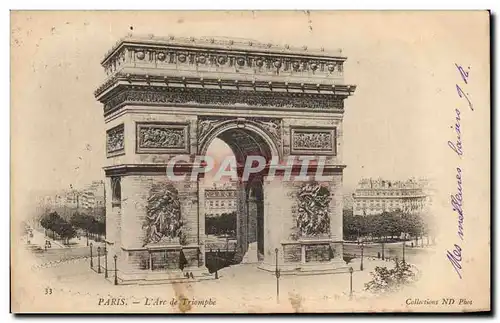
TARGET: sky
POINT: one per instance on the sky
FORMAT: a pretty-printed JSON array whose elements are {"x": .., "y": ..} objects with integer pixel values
[{"x": 394, "y": 125}]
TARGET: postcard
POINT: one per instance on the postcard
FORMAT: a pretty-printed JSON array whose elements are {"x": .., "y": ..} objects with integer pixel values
[{"x": 250, "y": 161}]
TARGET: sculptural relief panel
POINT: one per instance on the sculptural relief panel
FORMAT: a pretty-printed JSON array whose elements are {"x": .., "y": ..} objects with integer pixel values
[
  {"x": 115, "y": 144},
  {"x": 161, "y": 138},
  {"x": 313, "y": 140}
]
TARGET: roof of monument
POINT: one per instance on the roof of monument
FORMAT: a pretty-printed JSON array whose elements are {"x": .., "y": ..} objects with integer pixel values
[{"x": 225, "y": 44}]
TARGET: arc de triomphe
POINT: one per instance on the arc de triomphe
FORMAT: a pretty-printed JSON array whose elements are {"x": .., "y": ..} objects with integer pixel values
[{"x": 170, "y": 97}]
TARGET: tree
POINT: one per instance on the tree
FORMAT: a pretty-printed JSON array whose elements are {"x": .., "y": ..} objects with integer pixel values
[
  {"x": 349, "y": 225},
  {"x": 51, "y": 222},
  {"x": 78, "y": 220},
  {"x": 354, "y": 226},
  {"x": 222, "y": 224},
  {"x": 82, "y": 221},
  {"x": 389, "y": 280},
  {"x": 66, "y": 231}
]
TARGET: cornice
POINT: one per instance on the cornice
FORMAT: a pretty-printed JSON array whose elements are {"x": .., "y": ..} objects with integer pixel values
[
  {"x": 221, "y": 96},
  {"x": 186, "y": 168},
  {"x": 266, "y": 84}
]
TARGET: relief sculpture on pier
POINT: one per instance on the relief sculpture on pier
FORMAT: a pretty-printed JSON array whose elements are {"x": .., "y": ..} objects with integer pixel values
[
  {"x": 313, "y": 216},
  {"x": 163, "y": 214}
]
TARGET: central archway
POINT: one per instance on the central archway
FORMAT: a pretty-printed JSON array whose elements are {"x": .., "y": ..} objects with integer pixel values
[{"x": 246, "y": 138}]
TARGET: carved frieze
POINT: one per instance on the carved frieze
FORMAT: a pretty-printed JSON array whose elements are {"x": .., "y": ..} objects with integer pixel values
[
  {"x": 158, "y": 138},
  {"x": 217, "y": 97},
  {"x": 115, "y": 144},
  {"x": 313, "y": 140},
  {"x": 255, "y": 58},
  {"x": 313, "y": 212}
]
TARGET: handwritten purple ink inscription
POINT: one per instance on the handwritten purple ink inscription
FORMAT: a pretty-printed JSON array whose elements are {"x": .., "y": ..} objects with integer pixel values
[{"x": 457, "y": 199}]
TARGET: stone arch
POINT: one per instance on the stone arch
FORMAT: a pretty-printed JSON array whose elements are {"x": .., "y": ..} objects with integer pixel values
[
  {"x": 225, "y": 129},
  {"x": 246, "y": 138}
]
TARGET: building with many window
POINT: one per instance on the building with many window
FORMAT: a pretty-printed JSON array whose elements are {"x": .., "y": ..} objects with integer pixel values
[
  {"x": 220, "y": 199},
  {"x": 92, "y": 196},
  {"x": 375, "y": 196}
]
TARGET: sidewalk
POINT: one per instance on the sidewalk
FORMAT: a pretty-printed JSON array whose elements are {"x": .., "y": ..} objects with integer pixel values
[{"x": 39, "y": 239}]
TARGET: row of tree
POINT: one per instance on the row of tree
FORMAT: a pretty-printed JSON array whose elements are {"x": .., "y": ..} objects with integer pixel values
[
  {"x": 222, "y": 224},
  {"x": 88, "y": 224},
  {"x": 384, "y": 226},
  {"x": 60, "y": 229},
  {"x": 57, "y": 227}
]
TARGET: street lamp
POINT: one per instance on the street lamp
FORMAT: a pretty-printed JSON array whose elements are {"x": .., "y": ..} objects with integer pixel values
[
  {"x": 116, "y": 278},
  {"x": 105, "y": 262},
  {"x": 404, "y": 247},
  {"x": 362, "y": 248},
  {"x": 217, "y": 255},
  {"x": 91, "y": 261},
  {"x": 383, "y": 257},
  {"x": 277, "y": 273},
  {"x": 350, "y": 282},
  {"x": 99, "y": 259}
]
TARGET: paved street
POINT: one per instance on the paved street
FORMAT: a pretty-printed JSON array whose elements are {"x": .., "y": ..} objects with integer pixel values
[
  {"x": 58, "y": 251},
  {"x": 391, "y": 250},
  {"x": 243, "y": 286}
]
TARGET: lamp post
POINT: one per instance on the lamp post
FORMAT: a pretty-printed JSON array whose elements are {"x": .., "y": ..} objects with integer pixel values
[
  {"x": 362, "y": 249},
  {"x": 404, "y": 246},
  {"x": 105, "y": 262},
  {"x": 217, "y": 255},
  {"x": 277, "y": 273},
  {"x": 116, "y": 278},
  {"x": 383, "y": 257},
  {"x": 350, "y": 282},
  {"x": 99, "y": 259},
  {"x": 91, "y": 261}
]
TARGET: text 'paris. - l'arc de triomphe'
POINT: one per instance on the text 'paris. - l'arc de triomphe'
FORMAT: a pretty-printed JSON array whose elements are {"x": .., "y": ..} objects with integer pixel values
[{"x": 170, "y": 97}]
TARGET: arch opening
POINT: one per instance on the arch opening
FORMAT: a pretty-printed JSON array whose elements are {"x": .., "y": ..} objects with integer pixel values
[{"x": 244, "y": 200}]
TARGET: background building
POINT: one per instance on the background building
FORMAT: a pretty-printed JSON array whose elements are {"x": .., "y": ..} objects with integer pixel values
[
  {"x": 89, "y": 200},
  {"x": 378, "y": 196},
  {"x": 220, "y": 199},
  {"x": 92, "y": 196}
]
